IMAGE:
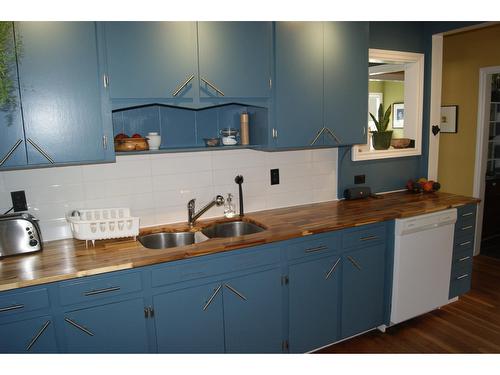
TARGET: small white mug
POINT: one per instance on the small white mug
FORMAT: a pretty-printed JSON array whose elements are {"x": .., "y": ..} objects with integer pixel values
[{"x": 154, "y": 140}]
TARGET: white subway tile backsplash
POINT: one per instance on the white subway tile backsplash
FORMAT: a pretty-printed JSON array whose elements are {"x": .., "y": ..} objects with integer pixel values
[{"x": 157, "y": 187}]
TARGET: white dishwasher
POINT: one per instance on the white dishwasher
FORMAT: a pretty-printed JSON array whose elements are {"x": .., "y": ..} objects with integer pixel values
[{"x": 423, "y": 250}]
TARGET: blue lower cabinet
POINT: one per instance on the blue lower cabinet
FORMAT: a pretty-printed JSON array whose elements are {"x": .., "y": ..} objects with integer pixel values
[
  {"x": 363, "y": 273},
  {"x": 313, "y": 303},
  {"x": 190, "y": 320},
  {"x": 253, "y": 313},
  {"x": 28, "y": 336},
  {"x": 111, "y": 328}
]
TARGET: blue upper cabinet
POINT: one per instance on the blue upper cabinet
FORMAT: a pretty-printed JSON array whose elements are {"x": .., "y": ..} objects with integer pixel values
[
  {"x": 234, "y": 57},
  {"x": 298, "y": 85},
  {"x": 148, "y": 60},
  {"x": 61, "y": 92},
  {"x": 12, "y": 146},
  {"x": 346, "y": 81}
]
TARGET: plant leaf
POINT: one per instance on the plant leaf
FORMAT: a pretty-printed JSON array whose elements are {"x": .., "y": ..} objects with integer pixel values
[{"x": 374, "y": 119}]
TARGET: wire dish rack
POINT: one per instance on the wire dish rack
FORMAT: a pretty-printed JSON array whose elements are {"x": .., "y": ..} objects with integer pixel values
[{"x": 103, "y": 224}]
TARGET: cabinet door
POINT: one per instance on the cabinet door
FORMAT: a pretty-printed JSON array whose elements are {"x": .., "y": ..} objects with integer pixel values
[
  {"x": 28, "y": 336},
  {"x": 299, "y": 82},
  {"x": 12, "y": 146},
  {"x": 190, "y": 320},
  {"x": 346, "y": 81},
  {"x": 362, "y": 290},
  {"x": 151, "y": 59},
  {"x": 113, "y": 328},
  {"x": 314, "y": 303},
  {"x": 235, "y": 57},
  {"x": 253, "y": 313},
  {"x": 61, "y": 92}
]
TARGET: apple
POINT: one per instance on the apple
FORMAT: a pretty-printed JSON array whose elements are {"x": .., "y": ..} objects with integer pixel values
[
  {"x": 136, "y": 135},
  {"x": 428, "y": 186},
  {"x": 409, "y": 184},
  {"x": 120, "y": 136}
]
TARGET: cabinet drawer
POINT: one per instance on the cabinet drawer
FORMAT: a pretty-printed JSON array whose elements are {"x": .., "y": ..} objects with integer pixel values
[
  {"x": 462, "y": 256},
  {"x": 460, "y": 284},
  {"x": 319, "y": 244},
  {"x": 195, "y": 269},
  {"x": 99, "y": 287},
  {"x": 466, "y": 242},
  {"x": 364, "y": 236},
  {"x": 465, "y": 229},
  {"x": 20, "y": 302},
  {"x": 465, "y": 212}
]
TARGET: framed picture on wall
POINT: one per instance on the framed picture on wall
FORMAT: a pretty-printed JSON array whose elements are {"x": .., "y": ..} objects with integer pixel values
[
  {"x": 449, "y": 114},
  {"x": 398, "y": 115}
]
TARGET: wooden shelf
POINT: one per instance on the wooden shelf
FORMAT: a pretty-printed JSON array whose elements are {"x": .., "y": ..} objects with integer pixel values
[{"x": 186, "y": 149}]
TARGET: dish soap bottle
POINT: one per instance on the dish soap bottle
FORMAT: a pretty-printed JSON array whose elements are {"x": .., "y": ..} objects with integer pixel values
[{"x": 229, "y": 210}]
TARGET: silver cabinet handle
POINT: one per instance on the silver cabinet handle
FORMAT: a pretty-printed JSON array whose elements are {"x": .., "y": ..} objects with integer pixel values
[
  {"x": 467, "y": 227},
  {"x": 39, "y": 149},
  {"x": 212, "y": 297},
  {"x": 314, "y": 249},
  {"x": 463, "y": 276},
  {"x": 368, "y": 238},
  {"x": 80, "y": 327},
  {"x": 465, "y": 243},
  {"x": 235, "y": 292},
  {"x": 100, "y": 291},
  {"x": 105, "y": 142},
  {"x": 332, "y": 269},
  {"x": 332, "y": 134},
  {"x": 467, "y": 214},
  {"x": 37, "y": 336},
  {"x": 356, "y": 264},
  {"x": 11, "y": 151},
  {"x": 10, "y": 308},
  {"x": 182, "y": 85},
  {"x": 212, "y": 86},
  {"x": 464, "y": 258},
  {"x": 105, "y": 81},
  {"x": 318, "y": 134}
]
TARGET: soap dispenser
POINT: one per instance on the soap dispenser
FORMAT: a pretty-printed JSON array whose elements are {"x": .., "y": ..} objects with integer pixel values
[{"x": 229, "y": 210}]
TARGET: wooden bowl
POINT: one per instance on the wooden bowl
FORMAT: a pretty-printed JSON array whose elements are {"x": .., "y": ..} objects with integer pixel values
[
  {"x": 131, "y": 144},
  {"x": 400, "y": 142}
]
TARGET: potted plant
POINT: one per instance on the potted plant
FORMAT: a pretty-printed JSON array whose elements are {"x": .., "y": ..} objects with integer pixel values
[
  {"x": 8, "y": 49},
  {"x": 381, "y": 137}
]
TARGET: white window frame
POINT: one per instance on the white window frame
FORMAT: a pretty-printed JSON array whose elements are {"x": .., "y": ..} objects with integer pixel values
[{"x": 414, "y": 97}]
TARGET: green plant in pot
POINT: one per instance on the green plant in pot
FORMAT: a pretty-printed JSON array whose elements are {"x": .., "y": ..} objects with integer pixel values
[
  {"x": 382, "y": 137},
  {"x": 8, "y": 49}
]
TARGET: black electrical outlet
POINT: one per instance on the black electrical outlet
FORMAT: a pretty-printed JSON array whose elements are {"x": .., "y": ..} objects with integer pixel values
[
  {"x": 359, "y": 179},
  {"x": 19, "y": 201},
  {"x": 275, "y": 176}
]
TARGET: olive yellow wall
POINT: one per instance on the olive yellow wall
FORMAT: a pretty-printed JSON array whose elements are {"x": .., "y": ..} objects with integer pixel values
[
  {"x": 463, "y": 55},
  {"x": 393, "y": 92}
]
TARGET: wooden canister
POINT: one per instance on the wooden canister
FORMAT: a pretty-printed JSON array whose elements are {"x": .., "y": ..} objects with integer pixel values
[{"x": 245, "y": 139}]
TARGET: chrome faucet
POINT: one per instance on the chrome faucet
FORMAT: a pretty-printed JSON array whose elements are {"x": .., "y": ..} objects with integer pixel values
[{"x": 192, "y": 216}]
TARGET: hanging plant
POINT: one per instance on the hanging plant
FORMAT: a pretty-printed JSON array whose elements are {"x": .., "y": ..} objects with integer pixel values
[{"x": 8, "y": 49}]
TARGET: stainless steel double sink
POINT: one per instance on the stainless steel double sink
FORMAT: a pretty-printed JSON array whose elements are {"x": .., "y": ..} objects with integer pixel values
[{"x": 166, "y": 240}]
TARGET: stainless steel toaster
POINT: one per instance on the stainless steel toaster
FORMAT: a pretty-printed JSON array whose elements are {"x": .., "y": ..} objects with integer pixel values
[{"x": 19, "y": 234}]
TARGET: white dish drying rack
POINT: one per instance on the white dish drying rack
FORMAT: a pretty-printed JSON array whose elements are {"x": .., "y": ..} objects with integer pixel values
[{"x": 103, "y": 224}]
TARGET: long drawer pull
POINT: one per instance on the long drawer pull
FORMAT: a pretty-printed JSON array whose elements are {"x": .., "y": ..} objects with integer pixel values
[
  {"x": 235, "y": 292},
  {"x": 182, "y": 85},
  {"x": 101, "y": 291},
  {"x": 80, "y": 327},
  {"x": 41, "y": 151},
  {"x": 37, "y": 336},
  {"x": 467, "y": 227},
  {"x": 463, "y": 276},
  {"x": 464, "y": 258},
  {"x": 465, "y": 243},
  {"x": 10, "y": 308},
  {"x": 212, "y": 297},
  {"x": 368, "y": 238},
  {"x": 11, "y": 151},
  {"x": 208, "y": 83},
  {"x": 467, "y": 214},
  {"x": 356, "y": 264},
  {"x": 332, "y": 269},
  {"x": 317, "y": 248}
]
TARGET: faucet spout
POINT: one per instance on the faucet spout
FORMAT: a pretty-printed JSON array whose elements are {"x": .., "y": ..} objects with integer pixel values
[{"x": 193, "y": 216}]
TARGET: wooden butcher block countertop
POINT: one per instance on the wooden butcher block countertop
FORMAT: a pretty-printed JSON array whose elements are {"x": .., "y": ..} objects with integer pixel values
[{"x": 67, "y": 259}]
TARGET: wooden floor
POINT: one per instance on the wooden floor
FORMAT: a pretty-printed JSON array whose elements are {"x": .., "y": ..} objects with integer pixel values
[{"x": 470, "y": 325}]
